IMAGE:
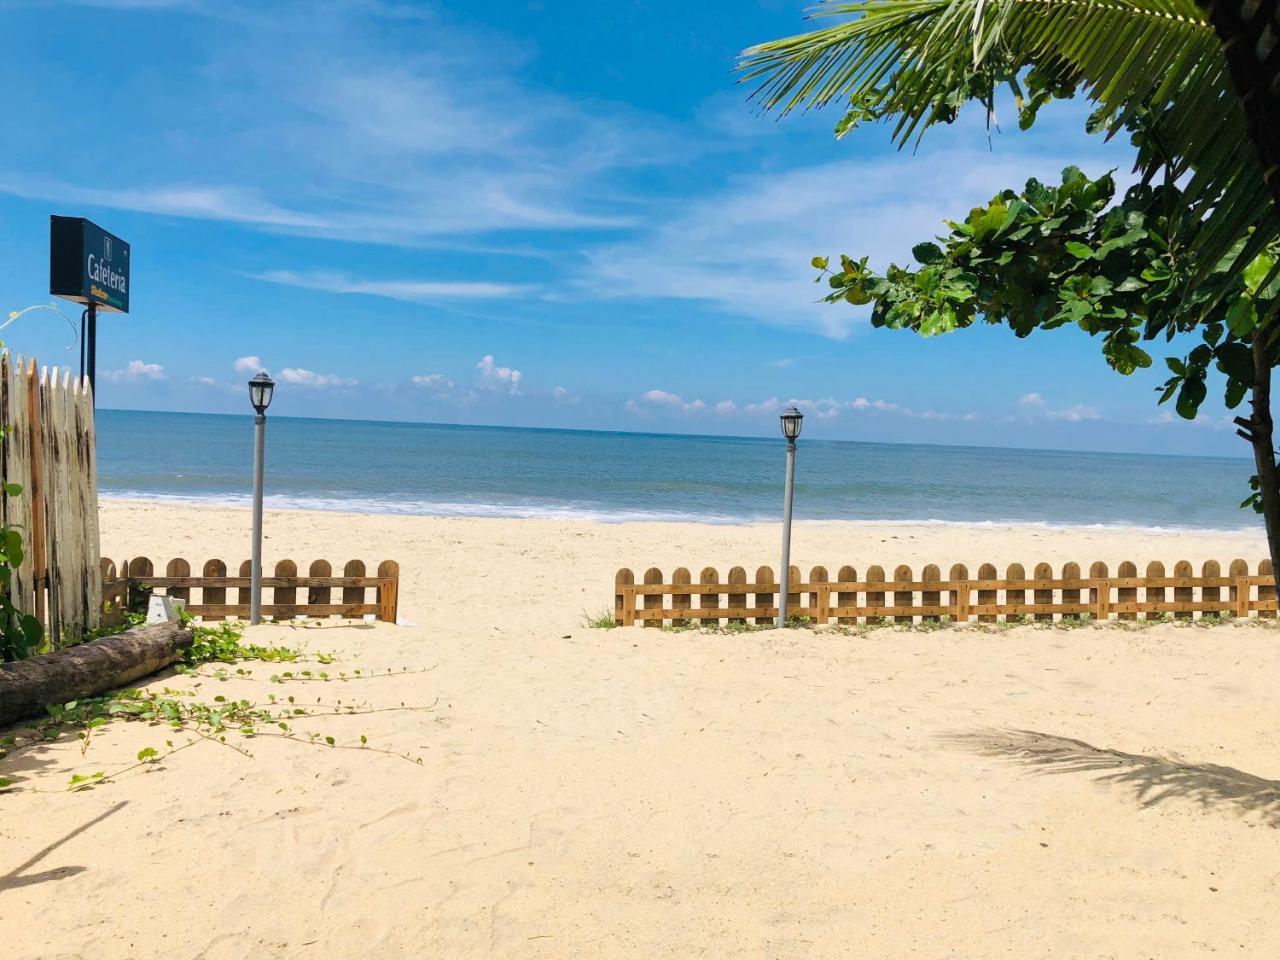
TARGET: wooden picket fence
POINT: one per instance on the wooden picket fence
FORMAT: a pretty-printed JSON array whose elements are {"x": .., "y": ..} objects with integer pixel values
[
  {"x": 987, "y": 597},
  {"x": 127, "y": 587},
  {"x": 48, "y": 451}
]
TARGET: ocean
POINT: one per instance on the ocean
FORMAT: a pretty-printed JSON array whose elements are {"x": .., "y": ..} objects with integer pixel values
[{"x": 444, "y": 470}]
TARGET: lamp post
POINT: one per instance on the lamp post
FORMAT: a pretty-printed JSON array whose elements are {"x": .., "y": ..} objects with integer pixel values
[
  {"x": 260, "y": 389},
  {"x": 792, "y": 420}
]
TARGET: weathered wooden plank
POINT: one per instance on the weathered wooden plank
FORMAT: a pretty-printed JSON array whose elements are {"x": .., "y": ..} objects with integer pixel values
[
  {"x": 244, "y": 594},
  {"x": 139, "y": 571},
  {"x": 930, "y": 598},
  {"x": 709, "y": 601},
  {"x": 1015, "y": 597},
  {"x": 180, "y": 570},
  {"x": 1043, "y": 596},
  {"x": 211, "y": 589},
  {"x": 766, "y": 598},
  {"x": 268, "y": 581},
  {"x": 819, "y": 594},
  {"x": 737, "y": 578},
  {"x": 316, "y": 592},
  {"x": 846, "y": 597},
  {"x": 1070, "y": 595},
  {"x": 875, "y": 598},
  {"x": 1183, "y": 594},
  {"x": 960, "y": 592},
  {"x": 624, "y": 600},
  {"x": 1100, "y": 593},
  {"x": 680, "y": 577},
  {"x": 986, "y": 595},
  {"x": 1124, "y": 592},
  {"x": 389, "y": 591},
  {"x": 353, "y": 594},
  {"x": 1239, "y": 590},
  {"x": 1213, "y": 594},
  {"x": 653, "y": 601},
  {"x": 286, "y": 597},
  {"x": 1151, "y": 593},
  {"x": 1266, "y": 592},
  {"x": 346, "y": 610}
]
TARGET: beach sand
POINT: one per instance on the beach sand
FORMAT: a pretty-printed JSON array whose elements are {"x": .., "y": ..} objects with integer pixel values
[{"x": 1094, "y": 792}]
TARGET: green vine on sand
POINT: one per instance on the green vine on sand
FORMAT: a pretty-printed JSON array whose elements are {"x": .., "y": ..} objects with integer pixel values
[{"x": 201, "y": 722}]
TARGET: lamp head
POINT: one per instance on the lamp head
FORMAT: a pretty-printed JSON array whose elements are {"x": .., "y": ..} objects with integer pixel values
[
  {"x": 792, "y": 420},
  {"x": 260, "y": 389}
]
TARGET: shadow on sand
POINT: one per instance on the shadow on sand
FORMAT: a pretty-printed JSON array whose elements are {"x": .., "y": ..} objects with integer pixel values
[
  {"x": 18, "y": 877},
  {"x": 1152, "y": 779}
]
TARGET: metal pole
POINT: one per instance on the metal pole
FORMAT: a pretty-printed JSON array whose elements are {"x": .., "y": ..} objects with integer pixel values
[
  {"x": 93, "y": 351},
  {"x": 255, "y": 572},
  {"x": 786, "y": 534}
]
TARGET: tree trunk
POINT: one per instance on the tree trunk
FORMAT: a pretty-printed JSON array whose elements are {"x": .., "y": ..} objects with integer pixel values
[
  {"x": 1259, "y": 431},
  {"x": 87, "y": 669}
]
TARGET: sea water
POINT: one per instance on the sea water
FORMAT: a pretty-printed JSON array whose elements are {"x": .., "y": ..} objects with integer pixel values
[{"x": 446, "y": 470}]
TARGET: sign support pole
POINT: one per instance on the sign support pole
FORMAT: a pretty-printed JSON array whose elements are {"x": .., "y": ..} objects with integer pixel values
[{"x": 93, "y": 351}]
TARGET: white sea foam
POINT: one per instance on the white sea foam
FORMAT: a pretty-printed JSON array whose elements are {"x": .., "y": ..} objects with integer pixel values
[{"x": 598, "y": 514}]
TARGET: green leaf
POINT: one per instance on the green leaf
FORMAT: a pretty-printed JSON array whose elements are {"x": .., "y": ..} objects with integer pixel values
[
  {"x": 819, "y": 263},
  {"x": 1190, "y": 397},
  {"x": 1081, "y": 251},
  {"x": 927, "y": 253},
  {"x": 1242, "y": 317}
]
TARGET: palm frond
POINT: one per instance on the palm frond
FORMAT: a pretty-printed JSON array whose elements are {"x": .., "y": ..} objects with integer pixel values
[{"x": 912, "y": 59}]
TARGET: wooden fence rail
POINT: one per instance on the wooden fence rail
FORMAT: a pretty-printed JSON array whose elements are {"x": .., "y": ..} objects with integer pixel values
[
  {"x": 986, "y": 597},
  {"x": 127, "y": 587},
  {"x": 48, "y": 450}
]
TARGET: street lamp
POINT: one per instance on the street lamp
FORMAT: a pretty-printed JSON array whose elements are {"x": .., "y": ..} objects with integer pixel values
[
  {"x": 261, "y": 388},
  {"x": 792, "y": 420}
]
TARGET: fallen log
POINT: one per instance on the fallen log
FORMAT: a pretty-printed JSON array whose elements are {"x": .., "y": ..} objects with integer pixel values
[{"x": 88, "y": 669}]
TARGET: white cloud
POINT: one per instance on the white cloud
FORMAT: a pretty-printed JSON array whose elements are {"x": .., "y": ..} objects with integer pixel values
[
  {"x": 137, "y": 370},
  {"x": 563, "y": 395},
  {"x": 410, "y": 291},
  {"x": 672, "y": 401},
  {"x": 1077, "y": 413},
  {"x": 330, "y": 122},
  {"x": 435, "y": 382},
  {"x": 497, "y": 378},
  {"x": 309, "y": 378},
  {"x": 726, "y": 407},
  {"x": 746, "y": 249},
  {"x": 249, "y": 364},
  {"x": 1031, "y": 400}
]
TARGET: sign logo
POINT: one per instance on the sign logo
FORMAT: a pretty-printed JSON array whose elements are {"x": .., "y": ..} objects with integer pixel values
[{"x": 106, "y": 248}]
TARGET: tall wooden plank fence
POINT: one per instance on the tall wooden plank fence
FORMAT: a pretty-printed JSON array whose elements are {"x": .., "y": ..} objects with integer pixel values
[
  {"x": 987, "y": 598},
  {"x": 48, "y": 451},
  {"x": 129, "y": 584}
]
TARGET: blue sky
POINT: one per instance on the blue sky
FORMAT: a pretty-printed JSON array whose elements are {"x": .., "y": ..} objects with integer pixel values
[{"x": 536, "y": 212}]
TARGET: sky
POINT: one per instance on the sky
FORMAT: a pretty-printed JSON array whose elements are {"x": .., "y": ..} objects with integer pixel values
[{"x": 525, "y": 212}]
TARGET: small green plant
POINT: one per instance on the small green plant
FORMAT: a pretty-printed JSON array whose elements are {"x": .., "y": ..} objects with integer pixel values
[{"x": 600, "y": 621}]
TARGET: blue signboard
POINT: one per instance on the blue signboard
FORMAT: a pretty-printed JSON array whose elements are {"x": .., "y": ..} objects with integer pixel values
[{"x": 87, "y": 264}]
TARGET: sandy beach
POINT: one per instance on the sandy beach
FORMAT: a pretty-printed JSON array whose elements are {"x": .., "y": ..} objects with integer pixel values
[{"x": 1094, "y": 792}]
